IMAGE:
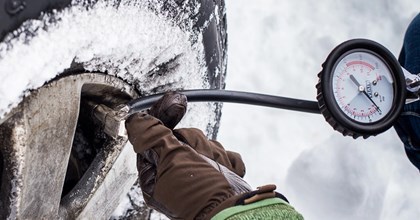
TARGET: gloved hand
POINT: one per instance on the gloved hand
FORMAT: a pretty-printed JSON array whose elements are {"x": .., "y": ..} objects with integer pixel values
[
  {"x": 146, "y": 166},
  {"x": 196, "y": 183}
]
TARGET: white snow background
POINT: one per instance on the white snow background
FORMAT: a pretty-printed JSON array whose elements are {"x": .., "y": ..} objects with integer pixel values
[{"x": 277, "y": 47}]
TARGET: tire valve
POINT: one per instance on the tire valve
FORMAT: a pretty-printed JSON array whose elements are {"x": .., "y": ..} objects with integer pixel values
[{"x": 112, "y": 121}]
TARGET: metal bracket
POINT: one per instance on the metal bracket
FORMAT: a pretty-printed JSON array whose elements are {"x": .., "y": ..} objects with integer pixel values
[{"x": 413, "y": 86}]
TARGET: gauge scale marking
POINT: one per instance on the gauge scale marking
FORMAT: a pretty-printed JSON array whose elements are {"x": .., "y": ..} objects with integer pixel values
[{"x": 363, "y": 86}]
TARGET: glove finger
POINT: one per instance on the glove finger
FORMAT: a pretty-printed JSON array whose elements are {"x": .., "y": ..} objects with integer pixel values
[{"x": 147, "y": 174}]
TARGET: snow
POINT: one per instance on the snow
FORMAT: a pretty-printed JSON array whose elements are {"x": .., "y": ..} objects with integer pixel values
[
  {"x": 277, "y": 47},
  {"x": 129, "y": 41}
]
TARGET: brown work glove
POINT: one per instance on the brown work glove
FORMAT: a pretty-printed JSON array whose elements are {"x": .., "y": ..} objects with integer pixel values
[
  {"x": 146, "y": 166},
  {"x": 158, "y": 149},
  {"x": 212, "y": 149}
]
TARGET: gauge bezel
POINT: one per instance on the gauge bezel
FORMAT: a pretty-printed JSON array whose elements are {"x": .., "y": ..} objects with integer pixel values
[{"x": 350, "y": 125}]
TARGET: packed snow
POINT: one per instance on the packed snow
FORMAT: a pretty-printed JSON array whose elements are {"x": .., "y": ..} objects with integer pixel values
[
  {"x": 277, "y": 47},
  {"x": 129, "y": 41}
]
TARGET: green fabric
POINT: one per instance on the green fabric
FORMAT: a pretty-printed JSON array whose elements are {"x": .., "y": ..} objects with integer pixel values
[{"x": 274, "y": 208}]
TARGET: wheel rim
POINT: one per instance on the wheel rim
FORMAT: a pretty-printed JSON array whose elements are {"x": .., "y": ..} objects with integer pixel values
[{"x": 36, "y": 142}]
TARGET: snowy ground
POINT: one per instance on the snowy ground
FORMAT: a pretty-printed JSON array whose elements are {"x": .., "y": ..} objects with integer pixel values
[{"x": 277, "y": 47}]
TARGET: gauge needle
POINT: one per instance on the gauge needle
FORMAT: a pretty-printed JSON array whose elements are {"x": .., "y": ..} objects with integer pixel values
[{"x": 363, "y": 90}]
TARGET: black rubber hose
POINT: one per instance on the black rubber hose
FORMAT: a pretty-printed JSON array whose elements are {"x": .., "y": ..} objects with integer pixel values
[{"x": 211, "y": 95}]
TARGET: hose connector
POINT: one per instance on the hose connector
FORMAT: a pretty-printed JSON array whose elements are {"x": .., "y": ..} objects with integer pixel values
[{"x": 113, "y": 121}]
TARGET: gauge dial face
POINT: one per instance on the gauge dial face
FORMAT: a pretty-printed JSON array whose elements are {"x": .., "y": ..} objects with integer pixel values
[{"x": 363, "y": 86}]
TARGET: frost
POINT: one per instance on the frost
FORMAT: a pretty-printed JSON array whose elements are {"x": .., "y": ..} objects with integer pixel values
[
  {"x": 132, "y": 40},
  {"x": 128, "y": 40}
]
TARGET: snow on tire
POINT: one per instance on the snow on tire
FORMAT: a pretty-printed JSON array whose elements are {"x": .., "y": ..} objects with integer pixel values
[{"x": 109, "y": 52}]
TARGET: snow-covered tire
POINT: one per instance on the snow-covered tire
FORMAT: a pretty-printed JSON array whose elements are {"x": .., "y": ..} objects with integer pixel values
[{"x": 55, "y": 161}]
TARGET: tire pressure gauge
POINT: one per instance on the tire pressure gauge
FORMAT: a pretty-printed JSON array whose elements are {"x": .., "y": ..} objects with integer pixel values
[{"x": 361, "y": 88}]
